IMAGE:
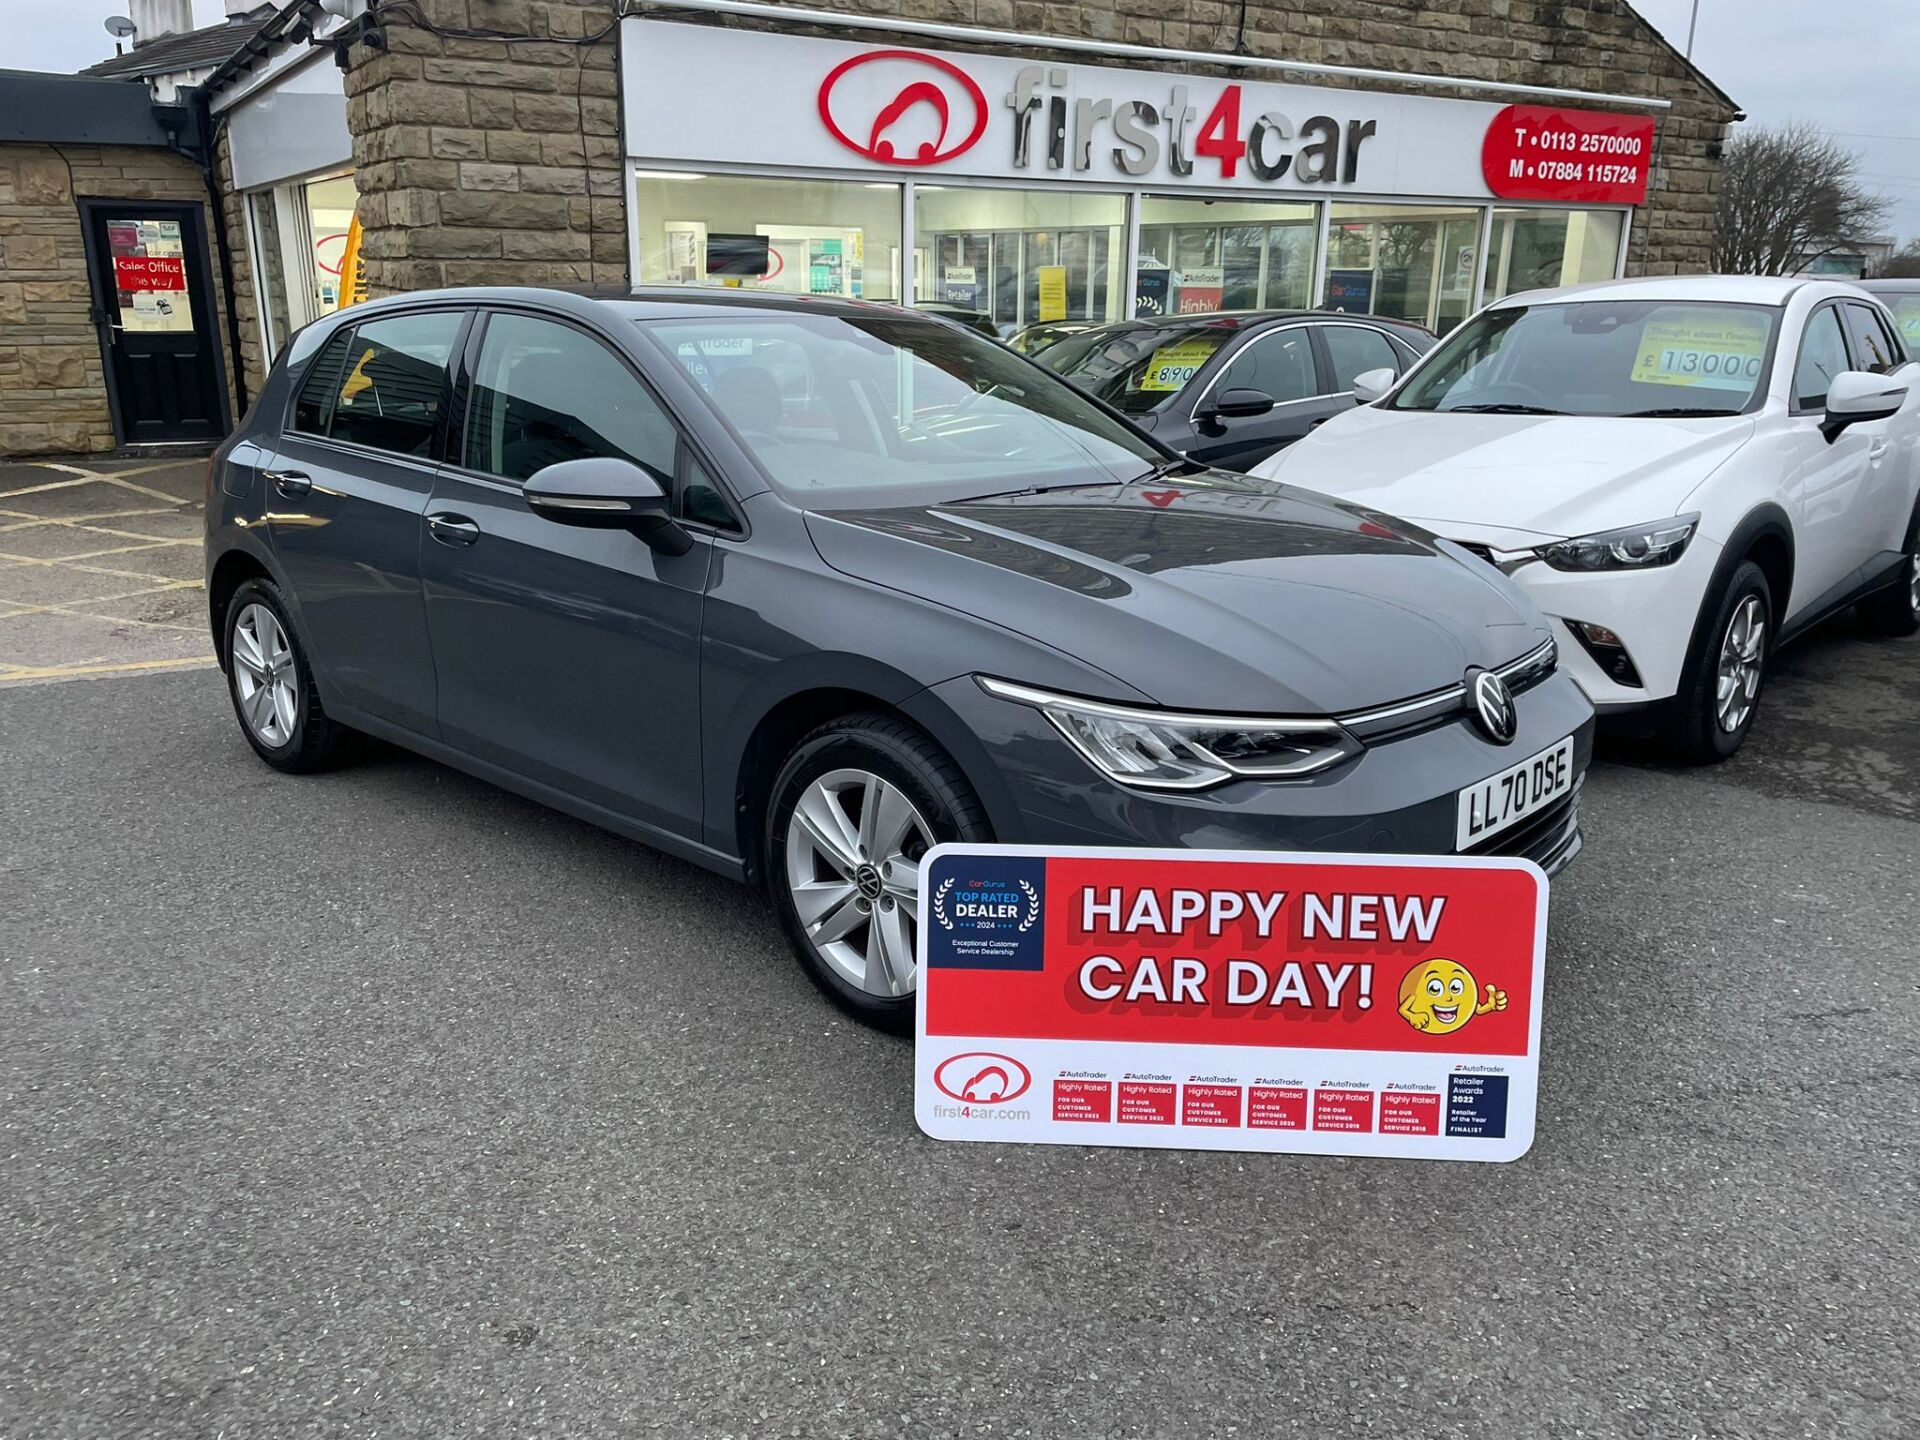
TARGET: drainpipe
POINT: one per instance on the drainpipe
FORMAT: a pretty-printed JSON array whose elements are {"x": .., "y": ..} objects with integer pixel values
[{"x": 201, "y": 153}]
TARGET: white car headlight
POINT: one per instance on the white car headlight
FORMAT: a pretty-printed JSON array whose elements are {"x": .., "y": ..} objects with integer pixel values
[
  {"x": 1170, "y": 750},
  {"x": 1636, "y": 547}
]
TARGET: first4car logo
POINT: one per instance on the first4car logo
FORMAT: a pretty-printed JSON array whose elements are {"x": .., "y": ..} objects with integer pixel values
[
  {"x": 982, "y": 1077},
  {"x": 935, "y": 113}
]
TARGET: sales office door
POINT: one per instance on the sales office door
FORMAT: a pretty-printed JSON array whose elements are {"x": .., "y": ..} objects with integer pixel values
[{"x": 153, "y": 306}]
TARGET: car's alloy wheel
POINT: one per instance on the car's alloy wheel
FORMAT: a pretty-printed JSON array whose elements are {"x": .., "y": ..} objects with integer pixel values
[
  {"x": 1743, "y": 654},
  {"x": 854, "y": 843},
  {"x": 852, "y": 812},
  {"x": 271, "y": 684},
  {"x": 266, "y": 684}
]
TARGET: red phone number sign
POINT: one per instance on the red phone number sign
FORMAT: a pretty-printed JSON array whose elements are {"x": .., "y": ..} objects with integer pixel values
[{"x": 1585, "y": 157}]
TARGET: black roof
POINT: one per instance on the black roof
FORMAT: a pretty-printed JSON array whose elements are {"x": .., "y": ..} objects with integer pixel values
[
  {"x": 41, "y": 108},
  {"x": 1247, "y": 319},
  {"x": 190, "y": 50}
]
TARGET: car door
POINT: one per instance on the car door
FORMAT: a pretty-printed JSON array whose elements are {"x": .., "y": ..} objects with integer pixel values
[
  {"x": 1885, "y": 504},
  {"x": 345, "y": 492},
  {"x": 1828, "y": 478},
  {"x": 568, "y": 656},
  {"x": 1280, "y": 363}
]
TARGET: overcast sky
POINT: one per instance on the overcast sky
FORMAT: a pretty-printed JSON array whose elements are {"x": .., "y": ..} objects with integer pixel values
[{"x": 1848, "y": 65}]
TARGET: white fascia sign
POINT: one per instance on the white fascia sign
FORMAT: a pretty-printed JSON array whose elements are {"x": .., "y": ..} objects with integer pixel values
[{"x": 704, "y": 94}]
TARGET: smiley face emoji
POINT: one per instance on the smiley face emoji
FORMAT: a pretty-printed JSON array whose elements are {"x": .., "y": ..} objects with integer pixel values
[{"x": 1437, "y": 997}]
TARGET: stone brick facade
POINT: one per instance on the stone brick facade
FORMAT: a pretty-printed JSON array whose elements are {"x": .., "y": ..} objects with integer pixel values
[
  {"x": 53, "y": 391},
  {"x": 490, "y": 161}
]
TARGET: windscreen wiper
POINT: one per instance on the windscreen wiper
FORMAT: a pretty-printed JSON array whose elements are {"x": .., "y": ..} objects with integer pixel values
[
  {"x": 1677, "y": 412},
  {"x": 1500, "y": 410}
]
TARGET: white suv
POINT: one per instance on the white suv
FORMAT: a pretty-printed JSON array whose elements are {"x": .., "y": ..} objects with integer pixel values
[{"x": 1684, "y": 472}]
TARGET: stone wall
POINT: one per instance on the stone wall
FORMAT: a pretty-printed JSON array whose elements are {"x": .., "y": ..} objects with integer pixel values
[
  {"x": 486, "y": 160},
  {"x": 254, "y": 359},
  {"x": 51, "y": 373},
  {"x": 482, "y": 160}
]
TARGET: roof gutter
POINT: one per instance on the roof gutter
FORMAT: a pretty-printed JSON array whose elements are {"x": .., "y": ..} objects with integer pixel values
[{"x": 974, "y": 35}]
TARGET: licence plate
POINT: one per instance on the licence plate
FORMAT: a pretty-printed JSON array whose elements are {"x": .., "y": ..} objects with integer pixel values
[{"x": 1504, "y": 800}]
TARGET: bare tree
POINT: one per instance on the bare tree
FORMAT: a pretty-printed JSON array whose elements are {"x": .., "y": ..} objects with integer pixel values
[
  {"x": 1789, "y": 196},
  {"x": 1903, "y": 264}
]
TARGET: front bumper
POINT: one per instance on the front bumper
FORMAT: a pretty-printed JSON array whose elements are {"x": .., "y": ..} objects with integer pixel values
[
  {"x": 1652, "y": 611},
  {"x": 1399, "y": 797}
]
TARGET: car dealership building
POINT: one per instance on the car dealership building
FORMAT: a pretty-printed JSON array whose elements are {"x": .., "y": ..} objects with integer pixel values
[{"x": 1036, "y": 162}]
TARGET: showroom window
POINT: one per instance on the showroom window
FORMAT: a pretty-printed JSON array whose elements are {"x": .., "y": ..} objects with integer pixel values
[
  {"x": 1405, "y": 262},
  {"x": 300, "y": 234},
  {"x": 1538, "y": 249},
  {"x": 798, "y": 237},
  {"x": 1023, "y": 257},
  {"x": 1198, "y": 256}
]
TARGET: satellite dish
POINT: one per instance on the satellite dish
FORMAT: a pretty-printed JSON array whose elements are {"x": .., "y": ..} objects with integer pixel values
[{"x": 120, "y": 27}]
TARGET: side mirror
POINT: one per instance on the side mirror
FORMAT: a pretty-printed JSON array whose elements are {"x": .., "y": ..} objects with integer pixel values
[
  {"x": 1855, "y": 396},
  {"x": 1235, "y": 404},
  {"x": 605, "y": 493},
  {"x": 1370, "y": 385}
]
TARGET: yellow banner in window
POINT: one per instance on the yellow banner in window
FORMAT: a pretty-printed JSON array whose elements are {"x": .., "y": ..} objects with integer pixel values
[
  {"x": 1172, "y": 366},
  {"x": 1706, "y": 349},
  {"x": 1053, "y": 292}
]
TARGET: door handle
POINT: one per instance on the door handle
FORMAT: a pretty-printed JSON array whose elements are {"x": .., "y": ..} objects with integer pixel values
[
  {"x": 290, "y": 483},
  {"x": 1877, "y": 448},
  {"x": 450, "y": 529},
  {"x": 1316, "y": 424}
]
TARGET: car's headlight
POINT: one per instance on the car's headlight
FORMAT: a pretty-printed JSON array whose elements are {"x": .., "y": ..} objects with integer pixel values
[
  {"x": 1170, "y": 750},
  {"x": 1637, "y": 547}
]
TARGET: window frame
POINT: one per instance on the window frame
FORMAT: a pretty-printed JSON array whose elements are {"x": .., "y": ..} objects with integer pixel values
[
  {"x": 1321, "y": 376},
  {"x": 1224, "y": 359},
  {"x": 437, "y": 445},
  {"x": 1794, "y": 407},
  {"x": 1895, "y": 348},
  {"x": 1400, "y": 363},
  {"x": 686, "y": 451}
]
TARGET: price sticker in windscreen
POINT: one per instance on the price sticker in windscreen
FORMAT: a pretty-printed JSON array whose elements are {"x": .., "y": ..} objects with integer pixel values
[
  {"x": 1173, "y": 366},
  {"x": 1707, "y": 349}
]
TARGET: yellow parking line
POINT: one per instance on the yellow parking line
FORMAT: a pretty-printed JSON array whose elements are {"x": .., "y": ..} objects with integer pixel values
[
  {"x": 71, "y": 607},
  {"x": 50, "y": 485},
  {"x": 13, "y": 673},
  {"x": 144, "y": 489}
]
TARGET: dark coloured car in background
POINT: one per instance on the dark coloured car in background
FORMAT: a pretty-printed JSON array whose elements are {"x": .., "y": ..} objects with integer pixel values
[
  {"x": 1232, "y": 389},
  {"x": 796, "y": 589}
]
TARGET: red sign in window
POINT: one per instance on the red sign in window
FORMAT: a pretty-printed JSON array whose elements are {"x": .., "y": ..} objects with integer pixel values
[
  {"x": 1583, "y": 157},
  {"x": 133, "y": 274}
]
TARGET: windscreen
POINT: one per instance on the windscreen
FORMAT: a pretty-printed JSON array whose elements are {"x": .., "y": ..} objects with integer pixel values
[
  {"x": 836, "y": 408},
  {"x": 1136, "y": 371},
  {"x": 1601, "y": 357}
]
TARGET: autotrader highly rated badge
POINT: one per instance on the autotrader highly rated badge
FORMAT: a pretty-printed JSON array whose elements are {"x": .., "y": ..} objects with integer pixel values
[{"x": 1322, "y": 1004}]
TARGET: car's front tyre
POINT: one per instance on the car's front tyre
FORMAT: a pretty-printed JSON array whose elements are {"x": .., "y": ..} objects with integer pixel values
[
  {"x": 1708, "y": 718},
  {"x": 271, "y": 684},
  {"x": 855, "y": 807}
]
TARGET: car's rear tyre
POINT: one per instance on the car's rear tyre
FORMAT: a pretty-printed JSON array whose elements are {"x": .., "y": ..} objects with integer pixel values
[
  {"x": 1709, "y": 717},
  {"x": 1896, "y": 609},
  {"x": 271, "y": 685},
  {"x": 856, "y": 805}
]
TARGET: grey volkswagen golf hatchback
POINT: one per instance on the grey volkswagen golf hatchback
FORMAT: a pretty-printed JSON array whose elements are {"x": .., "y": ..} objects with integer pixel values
[{"x": 797, "y": 589}]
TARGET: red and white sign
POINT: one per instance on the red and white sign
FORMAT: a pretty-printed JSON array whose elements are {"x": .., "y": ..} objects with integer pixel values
[
  {"x": 1583, "y": 157},
  {"x": 1218, "y": 1000},
  {"x": 135, "y": 274}
]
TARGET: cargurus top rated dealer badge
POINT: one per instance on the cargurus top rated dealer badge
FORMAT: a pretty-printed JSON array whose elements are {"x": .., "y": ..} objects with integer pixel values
[{"x": 1323, "y": 1004}]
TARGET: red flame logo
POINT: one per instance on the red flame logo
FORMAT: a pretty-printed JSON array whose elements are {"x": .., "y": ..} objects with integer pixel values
[{"x": 934, "y": 95}]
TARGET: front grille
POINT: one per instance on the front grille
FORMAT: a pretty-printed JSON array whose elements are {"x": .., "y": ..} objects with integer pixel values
[
  {"x": 1545, "y": 838},
  {"x": 1443, "y": 706}
]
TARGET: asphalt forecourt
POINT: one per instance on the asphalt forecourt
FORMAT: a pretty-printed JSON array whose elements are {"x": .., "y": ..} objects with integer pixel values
[{"x": 386, "y": 1102}]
